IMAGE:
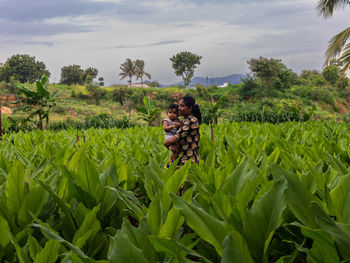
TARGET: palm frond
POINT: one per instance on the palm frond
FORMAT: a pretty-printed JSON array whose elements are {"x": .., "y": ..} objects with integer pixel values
[
  {"x": 336, "y": 45},
  {"x": 148, "y": 75},
  {"x": 345, "y": 60},
  {"x": 327, "y": 7}
]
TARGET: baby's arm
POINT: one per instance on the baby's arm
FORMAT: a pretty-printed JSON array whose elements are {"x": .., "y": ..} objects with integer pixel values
[
  {"x": 177, "y": 124},
  {"x": 167, "y": 127}
]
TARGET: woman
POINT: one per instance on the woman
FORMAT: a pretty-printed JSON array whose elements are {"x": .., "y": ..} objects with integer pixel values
[{"x": 187, "y": 137}]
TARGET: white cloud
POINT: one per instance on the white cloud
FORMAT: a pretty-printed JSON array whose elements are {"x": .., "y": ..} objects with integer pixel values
[{"x": 103, "y": 33}]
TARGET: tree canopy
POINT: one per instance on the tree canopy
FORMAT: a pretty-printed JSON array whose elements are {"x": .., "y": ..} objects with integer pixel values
[
  {"x": 74, "y": 74},
  {"x": 184, "y": 64},
  {"x": 265, "y": 69},
  {"x": 23, "y": 68}
]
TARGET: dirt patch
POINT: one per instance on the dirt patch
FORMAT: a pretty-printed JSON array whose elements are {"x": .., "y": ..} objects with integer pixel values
[
  {"x": 6, "y": 110},
  {"x": 7, "y": 98},
  {"x": 72, "y": 113},
  {"x": 342, "y": 108}
]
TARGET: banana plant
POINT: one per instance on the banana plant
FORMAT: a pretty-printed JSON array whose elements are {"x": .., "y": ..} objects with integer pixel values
[
  {"x": 39, "y": 102},
  {"x": 149, "y": 113}
]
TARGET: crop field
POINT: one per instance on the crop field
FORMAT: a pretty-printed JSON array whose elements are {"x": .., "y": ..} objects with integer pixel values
[{"x": 261, "y": 193}]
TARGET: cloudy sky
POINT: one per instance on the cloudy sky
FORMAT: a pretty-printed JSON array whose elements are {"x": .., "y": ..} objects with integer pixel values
[{"x": 226, "y": 33}]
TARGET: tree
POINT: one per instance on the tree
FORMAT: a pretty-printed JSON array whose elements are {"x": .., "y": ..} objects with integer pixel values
[
  {"x": 101, "y": 81},
  {"x": 37, "y": 103},
  {"x": 92, "y": 72},
  {"x": 285, "y": 79},
  {"x": 23, "y": 68},
  {"x": 95, "y": 92},
  {"x": 184, "y": 64},
  {"x": 265, "y": 69},
  {"x": 140, "y": 70},
  {"x": 331, "y": 74},
  {"x": 72, "y": 74},
  {"x": 250, "y": 88},
  {"x": 128, "y": 70},
  {"x": 339, "y": 46}
]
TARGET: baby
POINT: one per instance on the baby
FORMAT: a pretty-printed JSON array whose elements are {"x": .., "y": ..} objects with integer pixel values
[{"x": 170, "y": 127}]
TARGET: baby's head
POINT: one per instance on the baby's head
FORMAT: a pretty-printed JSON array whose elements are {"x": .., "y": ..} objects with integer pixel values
[{"x": 173, "y": 111}]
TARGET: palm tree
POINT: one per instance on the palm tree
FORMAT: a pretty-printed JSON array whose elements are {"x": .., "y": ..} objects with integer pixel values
[
  {"x": 128, "y": 70},
  {"x": 339, "y": 46},
  {"x": 140, "y": 70}
]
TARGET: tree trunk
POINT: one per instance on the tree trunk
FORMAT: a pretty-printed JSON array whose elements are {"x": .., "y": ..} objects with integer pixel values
[
  {"x": 40, "y": 122},
  {"x": 47, "y": 122},
  {"x": 130, "y": 82},
  {"x": 141, "y": 81}
]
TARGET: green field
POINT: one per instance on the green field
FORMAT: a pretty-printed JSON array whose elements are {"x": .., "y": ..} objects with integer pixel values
[{"x": 262, "y": 193}]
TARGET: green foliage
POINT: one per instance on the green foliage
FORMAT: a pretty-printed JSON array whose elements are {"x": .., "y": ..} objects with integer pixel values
[
  {"x": 211, "y": 112},
  {"x": 331, "y": 74},
  {"x": 250, "y": 88},
  {"x": 312, "y": 77},
  {"x": 101, "y": 81},
  {"x": 95, "y": 92},
  {"x": 89, "y": 75},
  {"x": 102, "y": 120},
  {"x": 128, "y": 69},
  {"x": 140, "y": 70},
  {"x": 72, "y": 74},
  {"x": 265, "y": 69},
  {"x": 285, "y": 114},
  {"x": 323, "y": 95},
  {"x": 37, "y": 103},
  {"x": 261, "y": 193},
  {"x": 23, "y": 68},
  {"x": 184, "y": 64},
  {"x": 149, "y": 112}
]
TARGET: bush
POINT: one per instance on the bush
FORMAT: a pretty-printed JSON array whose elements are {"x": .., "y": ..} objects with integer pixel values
[
  {"x": 290, "y": 113},
  {"x": 322, "y": 94},
  {"x": 250, "y": 88}
]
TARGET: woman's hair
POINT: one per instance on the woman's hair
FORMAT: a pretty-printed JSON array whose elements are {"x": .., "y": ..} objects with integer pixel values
[
  {"x": 173, "y": 106},
  {"x": 196, "y": 112}
]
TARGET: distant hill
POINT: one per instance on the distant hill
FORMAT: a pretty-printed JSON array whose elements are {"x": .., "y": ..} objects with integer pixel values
[{"x": 233, "y": 79}]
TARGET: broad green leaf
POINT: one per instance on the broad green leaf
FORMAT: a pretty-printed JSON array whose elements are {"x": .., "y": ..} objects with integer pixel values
[
  {"x": 298, "y": 197},
  {"x": 34, "y": 247},
  {"x": 342, "y": 240},
  {"x": 88, "y": 179},
  {"x": 4, "y": 230},
  {"x": 32, "y": 203},
  {"x": 81, "y": 195},
  {"x": 207, "y": 227},
  {"x": 49, "y": 253},
  {"x": 155, "y": 214},
  {"x": 63, "y": 205},
  {"x": 174, "y": 249},
  {"x": 323, "y": 248},
  {"x": 16, "y": 187},
  {"x": 129, "y": 200},
  {"x": 139, "y": 237},
  {"x": 174, "y": 220},
  {"x": 235, "y": 249},
  {"x": 52, "y": 235},
  {"x": 268, "y": 212},
  {"x": 121, "y": 249},
  {"x": 340, "y": 196},
  {"x": 88, "y": 229}
]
